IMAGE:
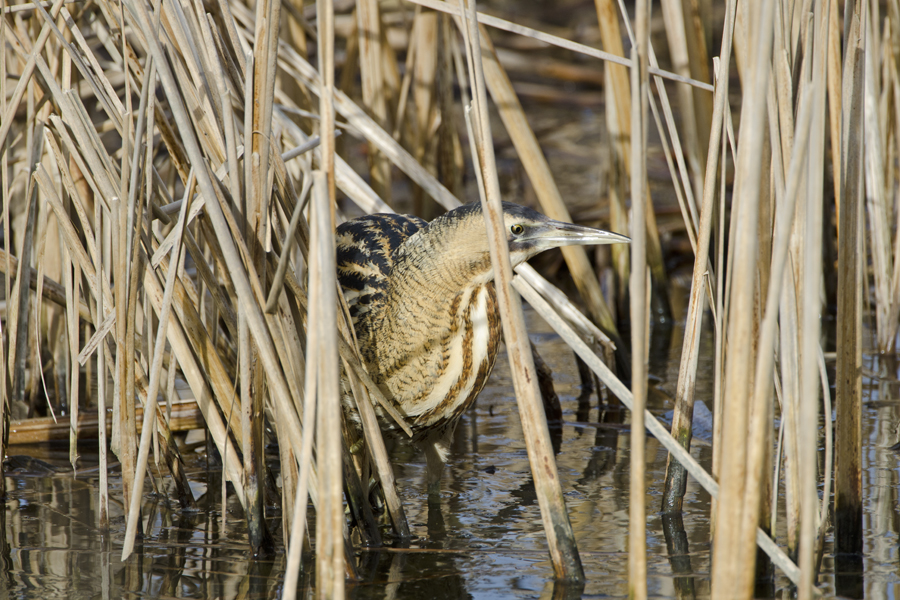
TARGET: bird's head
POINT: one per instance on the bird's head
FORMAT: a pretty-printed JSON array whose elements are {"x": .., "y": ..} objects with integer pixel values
[
  {"x": 528, "y": 233},
  {"x": 461, "y": 236}
]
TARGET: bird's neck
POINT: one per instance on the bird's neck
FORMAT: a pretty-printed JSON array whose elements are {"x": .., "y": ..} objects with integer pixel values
[{"x": 431, "y": 266}]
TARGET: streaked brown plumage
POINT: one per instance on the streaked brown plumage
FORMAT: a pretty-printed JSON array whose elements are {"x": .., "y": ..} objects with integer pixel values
[{"x": 424, "y": 308}]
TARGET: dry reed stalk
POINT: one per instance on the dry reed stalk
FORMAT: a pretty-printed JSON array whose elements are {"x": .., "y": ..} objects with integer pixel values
[
  {"x": 196, "y": 378},
  {"x": 330, "y": 514},
  {"x": 609, "y": 33},
  {"x": 6, "y": 375},
  {"x": 775, "y": 173},
  {"x": 890, "y": 325},
  {"x": 562, "y": 305},
  {"x": 131, "y": 219},
  {"x": 72, "y": 329},
  {"x": 258, "y": 111},
  {"x": 676, "y": 35},
  {"x": 247, "y": 376},
  {"x": 725, "y": 257},
  {"x": 699, "y": 38},
  {"x": 553, "y": 40},
  {"x": 730, "y": 573},
  {"x": 425, "y": 49},
  {"x": 718, "y": 311},
  {"x": 12, "y": 105},
  {"x": 788, "y": 361},
  {"x": 37, "y": 373},
  {"x": 657, "y": 429},
  {"x": 784, "y": 97},
  {"x": 289, "y": 319},
  {"x": 305, "y": 460},
  {"x": 450, "y": 161},
  {"x": 675, "y": 160},
  {"x": 133, "y": 513},
  {"x": 103, "y": 501},
  {"x": 103, "y": 512},
  {"x": 810, "y": 323},
  {"x": 202, "y": 344},
  {"x": 371, "y": 61},
  {"x": 560, "y": 537},
  {"x": 824, "y": 516},
  {"x": 330, "y": 566},
  {"x": 876, "y": 195},
  {"x": 851, "y": 254},
  {"x": 688, "y": 53},
  {"x": 403, "y": 97},
  {"x": 761, "y": 410},
  {"x": 834, "y": 106},
  {"x": 782, "y": 152},
  {"x": 640, "y": 306},
  {"x": 802, "y": 46},
  {"x": 242, "y": 277},
  {"x": 281, "y": 270},
  {"x": 676, "y": 477},
  {"x": 50, "y": 289},
  {"x": 298, "y": 67},
  {"x": 616, "y": 78},
  {"x": 538, "y": 170},
  {"x": 18, "y": 311},
  {"x": 779, "y": 456}
]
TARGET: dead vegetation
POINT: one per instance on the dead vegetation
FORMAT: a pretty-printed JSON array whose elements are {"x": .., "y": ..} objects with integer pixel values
[{"x": 170, "y": 182}]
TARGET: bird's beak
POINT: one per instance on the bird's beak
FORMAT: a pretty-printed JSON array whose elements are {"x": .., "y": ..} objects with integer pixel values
[{"x": 559, "y": 233}]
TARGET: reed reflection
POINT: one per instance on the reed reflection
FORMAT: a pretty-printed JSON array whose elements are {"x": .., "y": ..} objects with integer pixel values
[{"x": 679, "y": 555}]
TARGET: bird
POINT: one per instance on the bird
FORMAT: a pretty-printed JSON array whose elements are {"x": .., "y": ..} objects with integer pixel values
[{"x": 424, "y": 308}]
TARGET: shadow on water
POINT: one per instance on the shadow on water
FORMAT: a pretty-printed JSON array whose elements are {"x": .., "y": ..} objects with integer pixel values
[{"x": 429, "y": 570}]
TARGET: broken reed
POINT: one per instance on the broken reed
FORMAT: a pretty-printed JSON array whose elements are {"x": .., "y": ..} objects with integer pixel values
[{"x": 154, "y": 231}]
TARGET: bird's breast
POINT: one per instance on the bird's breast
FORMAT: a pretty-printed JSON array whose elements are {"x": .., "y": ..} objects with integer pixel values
[{"x": 442, "y": 376}]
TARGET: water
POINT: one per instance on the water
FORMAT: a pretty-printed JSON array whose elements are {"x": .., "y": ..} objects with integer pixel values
[{"x": 486, "y": 542}]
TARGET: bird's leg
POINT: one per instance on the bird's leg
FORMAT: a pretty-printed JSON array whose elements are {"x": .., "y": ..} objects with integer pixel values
[
  {"x": 436, "y": 449},
  {"x": 434, "y": 459},
  {"x": 436, "y": 528}
]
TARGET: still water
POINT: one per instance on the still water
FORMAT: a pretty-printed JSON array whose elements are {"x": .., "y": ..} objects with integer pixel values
[{"x": 487, "y": 540}]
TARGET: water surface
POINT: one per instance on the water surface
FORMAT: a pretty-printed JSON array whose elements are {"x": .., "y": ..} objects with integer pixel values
[{"x": 487, "y": 540}]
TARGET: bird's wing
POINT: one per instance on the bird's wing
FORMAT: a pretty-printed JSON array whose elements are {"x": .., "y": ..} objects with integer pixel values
[{"x": 364, "y": 256}]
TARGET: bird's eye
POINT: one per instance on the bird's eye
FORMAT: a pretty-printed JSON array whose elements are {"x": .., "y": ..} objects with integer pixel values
[{"x": 517, "y": 229}]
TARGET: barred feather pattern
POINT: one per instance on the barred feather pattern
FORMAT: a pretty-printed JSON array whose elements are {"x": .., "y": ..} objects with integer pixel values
[
  {"x": 365, "y": 248},
  {"x": 430, "y": 349}
]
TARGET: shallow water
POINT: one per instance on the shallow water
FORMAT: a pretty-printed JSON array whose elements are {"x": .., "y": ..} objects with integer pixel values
[{"x": 486, "y": 542}]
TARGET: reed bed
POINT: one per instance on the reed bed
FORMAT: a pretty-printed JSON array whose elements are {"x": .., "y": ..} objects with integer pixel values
[{"x": 172, "y": 175}]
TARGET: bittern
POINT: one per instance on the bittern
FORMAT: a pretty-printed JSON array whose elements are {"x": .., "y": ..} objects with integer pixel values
[{"x": 424, "y": 308}]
